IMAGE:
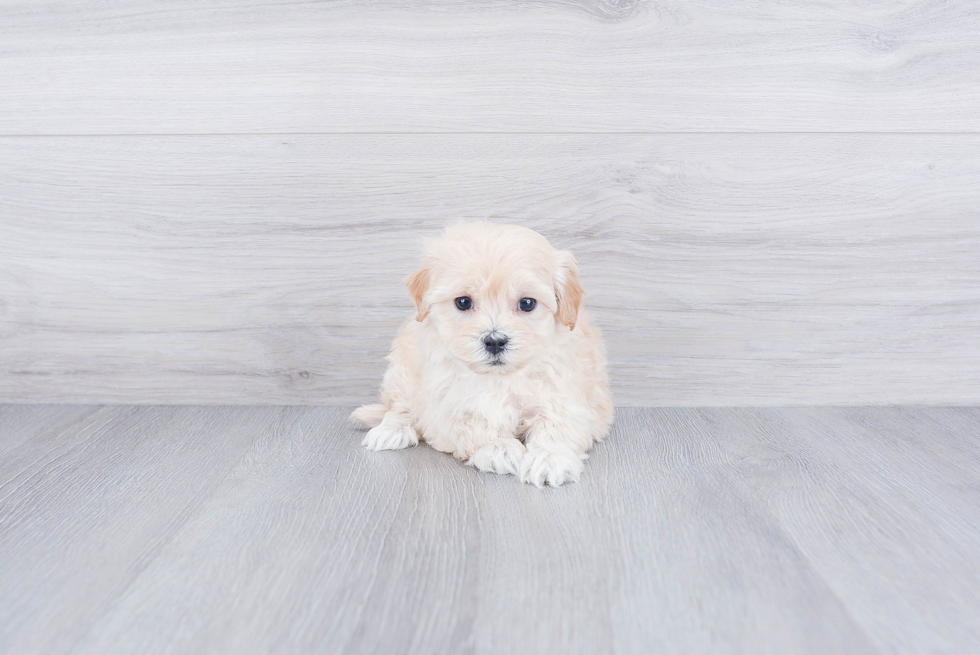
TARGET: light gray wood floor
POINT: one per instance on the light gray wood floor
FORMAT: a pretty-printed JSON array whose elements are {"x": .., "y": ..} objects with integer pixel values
[{"x": 268, "y": 529}]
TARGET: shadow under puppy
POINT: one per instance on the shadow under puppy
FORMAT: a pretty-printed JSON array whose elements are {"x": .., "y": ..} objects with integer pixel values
[{"x": 500, "y": 366}]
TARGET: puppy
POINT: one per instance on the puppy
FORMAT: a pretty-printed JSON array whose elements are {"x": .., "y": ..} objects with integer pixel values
[{"x": 500, "y": 366}]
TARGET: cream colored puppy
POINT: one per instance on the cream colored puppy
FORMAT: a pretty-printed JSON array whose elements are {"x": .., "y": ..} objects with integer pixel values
[{"x": 500, "y": 366}]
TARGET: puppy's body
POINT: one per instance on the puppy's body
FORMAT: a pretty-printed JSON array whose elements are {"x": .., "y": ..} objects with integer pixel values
[{"x": 506, "y": 389}]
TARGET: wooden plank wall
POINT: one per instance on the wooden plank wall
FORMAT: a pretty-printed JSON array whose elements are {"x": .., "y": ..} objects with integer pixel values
[{"x": 217, "y": 202}]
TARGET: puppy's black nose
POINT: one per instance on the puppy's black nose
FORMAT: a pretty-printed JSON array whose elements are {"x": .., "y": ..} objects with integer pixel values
[{"x": 495, "y": 344}]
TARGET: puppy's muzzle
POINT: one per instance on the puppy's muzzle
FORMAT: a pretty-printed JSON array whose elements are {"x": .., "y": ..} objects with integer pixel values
[{"x": 495, "y": 343}]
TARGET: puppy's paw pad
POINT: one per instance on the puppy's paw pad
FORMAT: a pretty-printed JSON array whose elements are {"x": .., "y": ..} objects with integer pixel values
[
  {"x": 503, "y": 456},
  {"x": 389, "y": 437},
  {"x": 552, "y": 465}
]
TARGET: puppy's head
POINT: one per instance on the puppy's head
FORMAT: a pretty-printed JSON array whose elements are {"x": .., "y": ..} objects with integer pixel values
[{"x": 495, "y": 294}]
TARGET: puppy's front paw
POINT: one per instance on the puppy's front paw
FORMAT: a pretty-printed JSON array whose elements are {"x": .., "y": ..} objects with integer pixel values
[
  {"x": 554, "y": 465},
  {"x": 502, "y": 456},
  {"x": 390, "y": 437}
]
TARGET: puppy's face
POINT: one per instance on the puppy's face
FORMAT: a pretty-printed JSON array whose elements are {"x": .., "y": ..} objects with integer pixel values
[{"x": 495, "y": 294}]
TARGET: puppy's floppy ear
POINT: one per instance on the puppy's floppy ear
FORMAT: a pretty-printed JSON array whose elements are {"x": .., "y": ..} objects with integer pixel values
[
  {"x": 418, "y": 284},
  {"x": 568, "y": 290}
]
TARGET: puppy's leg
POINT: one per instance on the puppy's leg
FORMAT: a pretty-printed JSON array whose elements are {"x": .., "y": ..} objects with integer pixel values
[
  {"x": 393, "y": 433},
  {"x": 502, "y": 455},
  {"x": 391, "y": 422},
  {"x": 556, "y": 449},
  {"x": 486, "y": 447},
  {"x": 369, "y": 415}
]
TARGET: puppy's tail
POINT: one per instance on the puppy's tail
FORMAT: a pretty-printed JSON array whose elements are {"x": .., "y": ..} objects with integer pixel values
[{"x": 369, "y": 415}]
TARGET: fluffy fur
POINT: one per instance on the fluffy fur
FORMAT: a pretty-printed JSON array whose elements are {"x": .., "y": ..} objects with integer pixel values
[{"x": 535, "y": 408}]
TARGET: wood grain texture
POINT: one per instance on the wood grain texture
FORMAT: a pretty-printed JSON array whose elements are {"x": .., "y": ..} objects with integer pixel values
[
  {"x": 723, "y": 269},
  {"x": 141, "y": 67},
  {"x": 891, "y": 505},
  {"x": 85, "y": 505},
  {"x": 215, "y": 530}
]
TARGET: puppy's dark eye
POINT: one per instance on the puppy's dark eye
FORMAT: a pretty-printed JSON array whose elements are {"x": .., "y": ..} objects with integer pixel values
[
  {"x": 527, "y": 304},
  {"x": 463, "y": 303}
]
